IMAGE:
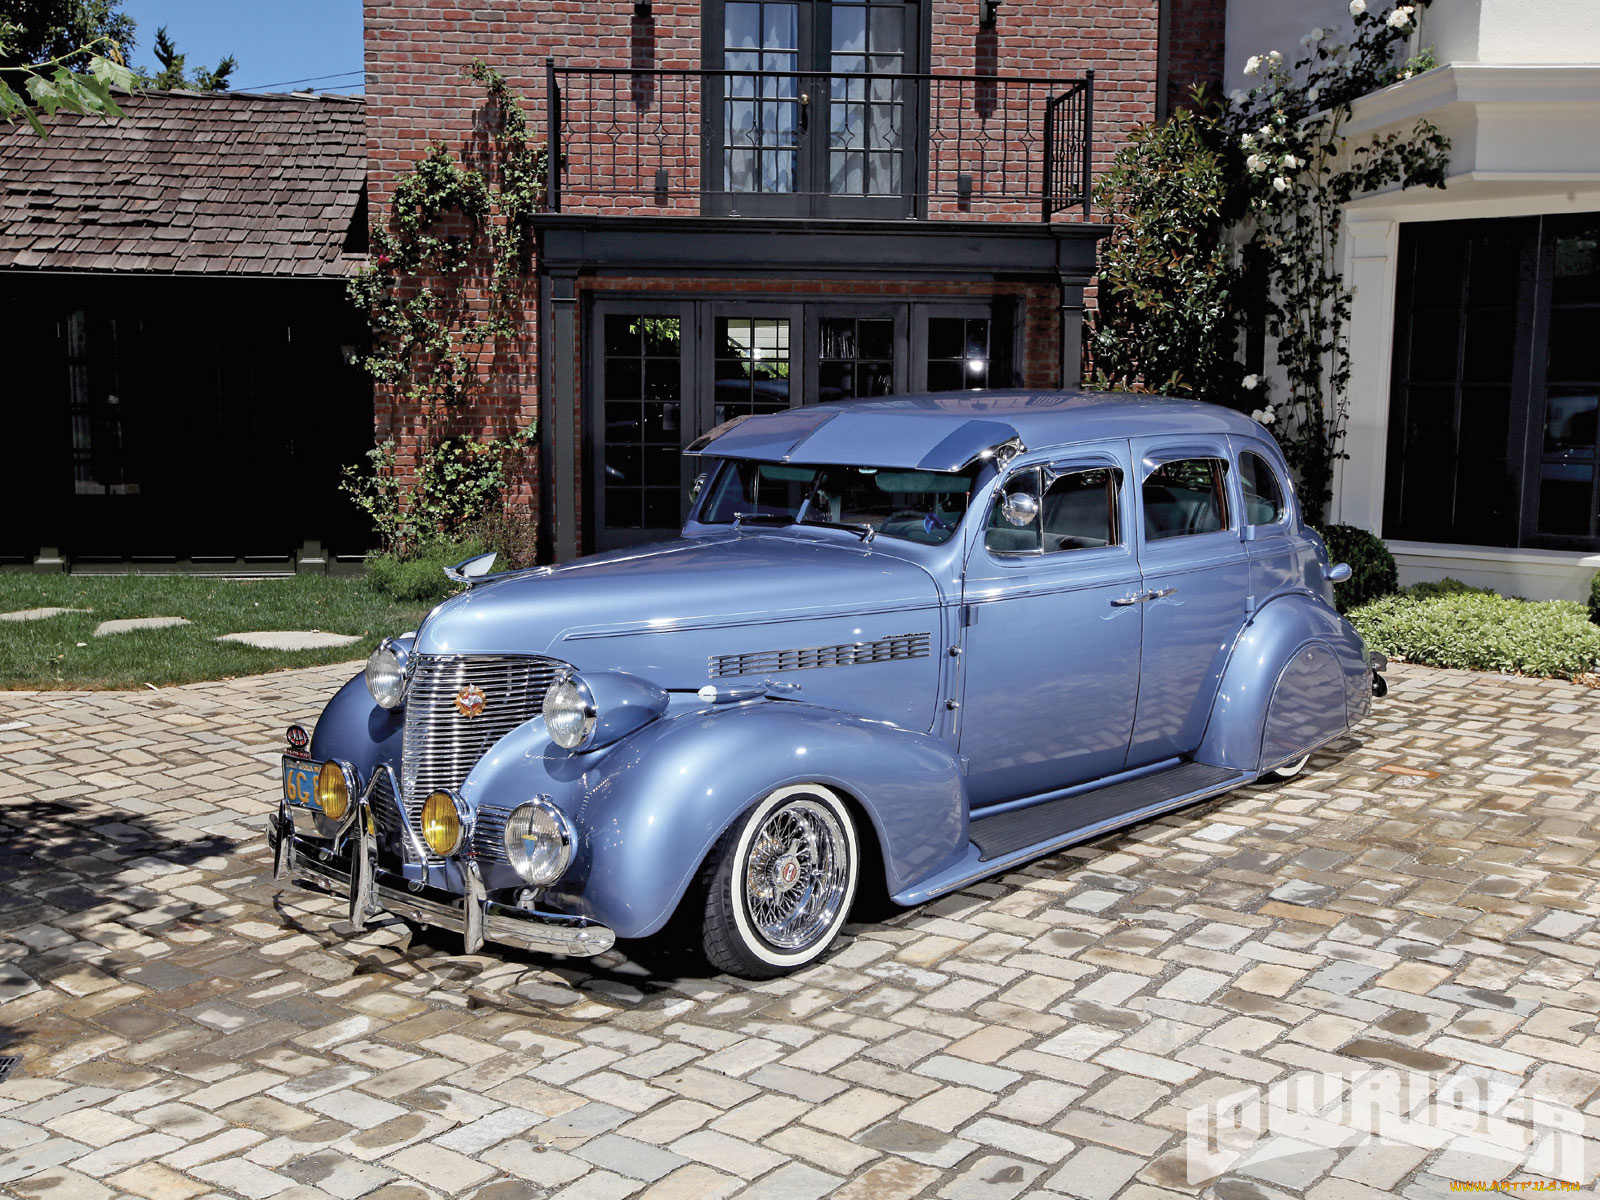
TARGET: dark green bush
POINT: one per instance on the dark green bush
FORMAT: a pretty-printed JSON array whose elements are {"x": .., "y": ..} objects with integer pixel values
[
  {"x": 1372, "y": 572},
  {"x": 1483, "y": 632},
  {"x": 419, "y": 576},
  {"x": 1427, "y": 589},
  {"x": 511, "y": 535},
  {"x": 1594, "y": 598}
]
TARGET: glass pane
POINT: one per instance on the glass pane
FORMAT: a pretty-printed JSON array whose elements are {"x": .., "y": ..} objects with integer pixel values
[
  {"x": 946, "y": 337},
  {"x": 1079, "y": 511},
  {"x": 888, "y": 27},
  {"x": 643, "y": 416},
  {"x": 1185, "y": 497},
  {"x": 621, "y": 335},
  {"x": 781, "y": 25},
  {"x": 1263, "y": 499},
  {"x": 945, "y": 377},
  {"x": 977, "y": 339},
  {"x": 624, "y": 379},
  {"x": 1490, "y": 345},
  {"x": 1574, "y": 344},
  {"x": 876, "y": 338},
  {"x": 849, "y": 31},
  {"x": 743, "y": 24},
  {"x": 1435, "y": 338},
  {"x": 1577, "y": 268}
]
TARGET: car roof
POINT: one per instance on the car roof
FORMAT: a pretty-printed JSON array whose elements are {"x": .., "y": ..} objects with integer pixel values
[{"x": 946, "y": 431}]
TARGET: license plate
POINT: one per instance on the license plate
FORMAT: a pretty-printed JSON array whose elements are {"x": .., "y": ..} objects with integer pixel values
[{"x": 300, "y": 783}]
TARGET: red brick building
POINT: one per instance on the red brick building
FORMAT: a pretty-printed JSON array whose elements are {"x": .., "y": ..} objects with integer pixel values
[{"x": 762, "y": 203}]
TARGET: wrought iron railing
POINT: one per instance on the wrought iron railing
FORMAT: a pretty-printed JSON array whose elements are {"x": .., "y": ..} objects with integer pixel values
[{"x": 784, "y": 143}]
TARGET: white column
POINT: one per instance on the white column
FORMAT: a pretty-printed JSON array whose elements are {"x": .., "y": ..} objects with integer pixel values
[{"x": 1369, "y": 271}]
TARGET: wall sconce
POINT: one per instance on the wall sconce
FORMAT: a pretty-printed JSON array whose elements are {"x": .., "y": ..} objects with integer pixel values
[
  {"x": 349, "y": 355},
  {"x": 988, "y": 13},
  {"x": 643, "y": 9}
]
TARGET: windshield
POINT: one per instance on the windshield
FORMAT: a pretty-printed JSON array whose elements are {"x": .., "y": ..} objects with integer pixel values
[{"x": 919, "y": 506}]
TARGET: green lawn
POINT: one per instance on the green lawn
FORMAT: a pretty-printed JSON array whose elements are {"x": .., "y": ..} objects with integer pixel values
[{"x": 62, "y": 651}]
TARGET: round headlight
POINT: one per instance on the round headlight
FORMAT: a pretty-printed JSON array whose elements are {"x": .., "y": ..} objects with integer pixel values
[
  {"x": 443, "y": 826},
  {"x": 569, "y": 712},
  {"x": 538, "y": 842},
  {"x": 386, "y": 677},
  {"x": 333, "y": 791}
]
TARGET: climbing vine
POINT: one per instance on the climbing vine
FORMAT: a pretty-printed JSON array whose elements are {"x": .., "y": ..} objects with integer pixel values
[
  {"x": 445, "y": 282},
  {"x": 1299, "y": 171}
]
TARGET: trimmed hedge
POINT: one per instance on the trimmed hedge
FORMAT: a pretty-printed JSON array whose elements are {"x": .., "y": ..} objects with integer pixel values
[
  {"x": 1372, "y": 570},
  {"x": 419, "y": 576},
  {"x": 1483, "y": 632},
  {"x": 1427, "y": 589}
]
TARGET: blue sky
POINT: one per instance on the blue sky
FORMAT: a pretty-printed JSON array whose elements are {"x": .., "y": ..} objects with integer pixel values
[{"x": 276, "y": 43}]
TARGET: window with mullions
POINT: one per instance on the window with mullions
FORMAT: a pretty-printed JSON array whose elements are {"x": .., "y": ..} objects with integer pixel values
[
  {"x": 856, "y": 357},
  {"x": 643, "y": 405},
  {"x": 761, "y": 114},
  {"x": 958, "y": 353},
  {"x": 1493, "y": 431},
  {"x": 752, "y": 365},
  {"x": 866, "y": 114}
]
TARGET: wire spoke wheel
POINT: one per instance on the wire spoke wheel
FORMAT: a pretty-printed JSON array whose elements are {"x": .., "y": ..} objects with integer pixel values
[{"x": 782, "y": 883}]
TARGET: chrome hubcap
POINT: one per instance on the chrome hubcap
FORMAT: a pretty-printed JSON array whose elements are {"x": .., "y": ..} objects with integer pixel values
[{"x": 796, "y": 874}]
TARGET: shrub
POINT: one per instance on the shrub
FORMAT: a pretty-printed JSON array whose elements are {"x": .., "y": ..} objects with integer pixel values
[
  {"x": 511, "y": 535},
  {"x": 1427, "y": 589},
  {"x": 1483, "y": 632},
  {"x": 1372, "y": 572},
  {"x": 419, "y": 575},
  {"x": 1594, "y": 598}
]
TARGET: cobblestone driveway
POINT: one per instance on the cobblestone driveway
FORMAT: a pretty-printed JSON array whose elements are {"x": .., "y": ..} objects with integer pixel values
[{"x": 1424, "y": 899}]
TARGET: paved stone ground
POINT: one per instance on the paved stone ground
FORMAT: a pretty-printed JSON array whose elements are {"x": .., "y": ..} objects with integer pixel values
[{"x": 1425, "y": 897}]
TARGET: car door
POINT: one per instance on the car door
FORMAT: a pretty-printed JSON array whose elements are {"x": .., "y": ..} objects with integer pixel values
[
  {"x": 1196, "y": 586},
  {"x": 1051, "y": 640}
]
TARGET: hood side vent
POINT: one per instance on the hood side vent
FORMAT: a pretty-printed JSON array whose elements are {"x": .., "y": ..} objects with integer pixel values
[{"x": 894, "y": 648}]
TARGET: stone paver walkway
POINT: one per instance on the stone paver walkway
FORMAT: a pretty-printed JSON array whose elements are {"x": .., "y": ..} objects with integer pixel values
[{"x": 1425, "y": 898}]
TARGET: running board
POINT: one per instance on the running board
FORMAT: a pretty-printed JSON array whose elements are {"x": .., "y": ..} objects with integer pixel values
[{"x": 1019, "y": 835}]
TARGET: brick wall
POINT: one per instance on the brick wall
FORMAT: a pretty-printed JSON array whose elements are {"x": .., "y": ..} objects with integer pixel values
[{"x": 1195, "y": 43}]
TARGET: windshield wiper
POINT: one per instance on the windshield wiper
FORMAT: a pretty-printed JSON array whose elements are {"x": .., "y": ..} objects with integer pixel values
[
  {"x": 863, "y": 531},
  {"x": 761, "y": 519}
]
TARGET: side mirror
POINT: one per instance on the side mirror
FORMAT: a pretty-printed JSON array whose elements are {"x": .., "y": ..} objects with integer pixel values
[
  {"x": 694, "y": 488},
  {"x": 1020, "y": 509},
  {"x": 1337, "y": 573}
]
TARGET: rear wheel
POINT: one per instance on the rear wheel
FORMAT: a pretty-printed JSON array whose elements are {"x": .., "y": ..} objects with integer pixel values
[{"x": 780, "y": 883}]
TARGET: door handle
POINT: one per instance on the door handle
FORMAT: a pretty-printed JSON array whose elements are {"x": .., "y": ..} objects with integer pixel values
[
  {"x": 1125, "y": 601},
  {"x": 1160, "y": 593},
  {"x": 805, "y": 112}
]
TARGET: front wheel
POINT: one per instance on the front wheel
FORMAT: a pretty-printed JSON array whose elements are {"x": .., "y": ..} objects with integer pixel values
[{"x": 780, "y": 883}]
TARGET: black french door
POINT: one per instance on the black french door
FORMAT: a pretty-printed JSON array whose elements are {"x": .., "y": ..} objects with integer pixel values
[
  {"x": 824, "y": 122},
  {"x": 662, "y": 372}
]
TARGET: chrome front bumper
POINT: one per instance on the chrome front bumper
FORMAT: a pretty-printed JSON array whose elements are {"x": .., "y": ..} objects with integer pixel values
[{"x": 478, "y": 919}]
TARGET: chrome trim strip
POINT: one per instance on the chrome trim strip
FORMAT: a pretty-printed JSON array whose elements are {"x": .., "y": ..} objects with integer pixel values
[
  {"x": 548, "y": 933},
  {"x": 898, "y": 647}
]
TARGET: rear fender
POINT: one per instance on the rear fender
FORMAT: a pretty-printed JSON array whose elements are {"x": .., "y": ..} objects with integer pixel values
[
  {"x": 649, "y": 809},
  {"x": 1298, "y": 676}
]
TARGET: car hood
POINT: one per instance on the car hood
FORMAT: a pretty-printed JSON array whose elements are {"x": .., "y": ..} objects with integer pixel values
[{"x": 583, "y": 612}]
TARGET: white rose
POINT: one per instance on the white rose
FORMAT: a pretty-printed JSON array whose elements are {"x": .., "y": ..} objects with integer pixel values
[
  {"x": 1305, "y": 41},
  {"x": 1312, "y": 93},
  {"x": 1357, "y": 7},
  {"x": 1252, "y": 65},
  {"x": 1246, "y": 140},
  {"x": 1268, "y": 415},
  {"x": 1267, "y": 131},
  {"x": 1280, "y": 184},
  {"x": 1274, "y": 56},
  {"x": 1256, "y": 416},
  {"x": 1318, "y": 34},
  {"x": 1399, "y": 19},
  {"x": 1255, "y": 162},
  {"x": 1250, "y": 382},
  {"x": 1291, "y": 162},
  {"x": 1238, "y": 97}
]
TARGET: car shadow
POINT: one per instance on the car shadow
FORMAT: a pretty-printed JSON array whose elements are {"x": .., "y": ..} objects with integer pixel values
[{"x": 62, "y": 858}]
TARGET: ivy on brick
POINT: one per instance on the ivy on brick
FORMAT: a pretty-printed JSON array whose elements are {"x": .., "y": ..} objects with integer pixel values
[{"x": 446, "y": 279}]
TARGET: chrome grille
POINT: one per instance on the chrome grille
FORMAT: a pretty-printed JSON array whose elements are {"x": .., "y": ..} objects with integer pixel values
[
  {"x": 489, "y": 833},
  {"x": 894, "y": 648},
  {"x": 386, "y": 815},
  {"x": 440, "y": 746}
]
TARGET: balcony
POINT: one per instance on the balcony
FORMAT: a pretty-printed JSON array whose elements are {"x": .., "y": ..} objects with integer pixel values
[{"x": 861, "y": 145}]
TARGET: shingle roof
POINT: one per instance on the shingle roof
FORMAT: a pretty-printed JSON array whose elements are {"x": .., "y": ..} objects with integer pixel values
[{"x": 187, "y": 182}]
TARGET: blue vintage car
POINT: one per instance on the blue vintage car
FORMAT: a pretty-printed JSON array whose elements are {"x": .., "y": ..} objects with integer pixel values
[{"x": 915, "y": 641}]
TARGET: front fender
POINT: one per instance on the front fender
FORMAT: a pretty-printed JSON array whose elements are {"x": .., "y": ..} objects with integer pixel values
[
  {"x": 1278, "y": 698},
  {"x": 649, "y": 809},
  {"x": 354, "y": 728}
]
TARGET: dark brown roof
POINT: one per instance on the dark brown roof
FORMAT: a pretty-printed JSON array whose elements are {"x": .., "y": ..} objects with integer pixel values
[{"x": 188, "y": 182}]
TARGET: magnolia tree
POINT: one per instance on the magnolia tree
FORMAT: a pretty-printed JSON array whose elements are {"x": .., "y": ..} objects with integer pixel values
[{"x": 1299, "y": 172}]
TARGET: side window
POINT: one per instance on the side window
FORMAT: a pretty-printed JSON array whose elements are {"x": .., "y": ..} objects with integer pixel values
[
  {"x": 1080, "y": 510},
  {"x": 1263, "y": 498},
  {"x": 1184, "y": 497},
  {"x": 1013, "y": 526}
]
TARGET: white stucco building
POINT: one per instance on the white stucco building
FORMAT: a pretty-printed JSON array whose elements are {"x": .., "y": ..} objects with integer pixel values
[{"x": 1475, "y": 331}]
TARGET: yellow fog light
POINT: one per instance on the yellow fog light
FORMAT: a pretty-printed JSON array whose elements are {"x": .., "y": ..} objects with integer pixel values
[
  {"x": 443, "y": 825},
  {"x": 333, "y": 791}
]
